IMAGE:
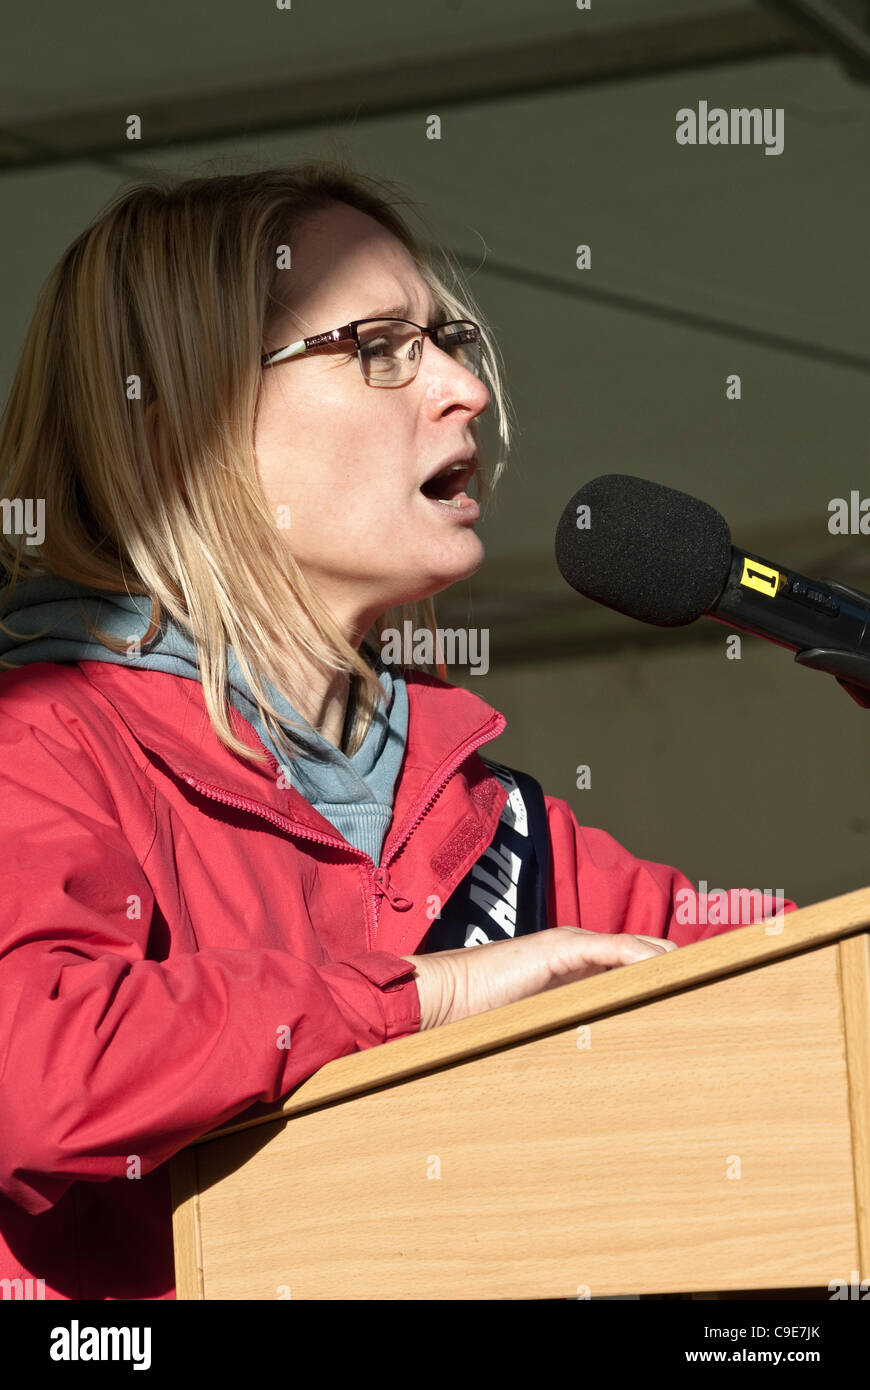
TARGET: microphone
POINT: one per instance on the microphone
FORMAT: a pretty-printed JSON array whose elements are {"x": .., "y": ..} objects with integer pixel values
[{"x": 663, "y": 557}]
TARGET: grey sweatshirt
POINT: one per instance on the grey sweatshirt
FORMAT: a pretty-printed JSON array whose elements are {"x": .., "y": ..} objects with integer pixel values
[{"x": 355, "y": 794}]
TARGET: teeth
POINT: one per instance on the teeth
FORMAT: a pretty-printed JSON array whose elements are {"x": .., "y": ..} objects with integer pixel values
[{"x": 451, "y": 502}]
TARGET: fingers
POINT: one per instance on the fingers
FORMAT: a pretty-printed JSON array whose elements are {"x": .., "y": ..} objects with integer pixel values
[
  {"x": 569, "y": 958},
  {"x": 660, "y": 944}
]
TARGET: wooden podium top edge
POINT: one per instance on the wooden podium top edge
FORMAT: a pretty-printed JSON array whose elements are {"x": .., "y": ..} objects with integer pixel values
[{"x": 743, "y": 948}]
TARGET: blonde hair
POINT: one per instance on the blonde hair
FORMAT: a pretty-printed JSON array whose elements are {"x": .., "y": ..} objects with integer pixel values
[{"x": 176, "y": 283}]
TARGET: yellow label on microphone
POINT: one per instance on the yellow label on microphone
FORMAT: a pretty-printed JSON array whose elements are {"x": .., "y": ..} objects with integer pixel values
[{"x": 761, "y": 577}]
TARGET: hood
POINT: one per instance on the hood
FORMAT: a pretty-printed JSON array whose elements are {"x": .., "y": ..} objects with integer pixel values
[{"x": 354, "y": 793}]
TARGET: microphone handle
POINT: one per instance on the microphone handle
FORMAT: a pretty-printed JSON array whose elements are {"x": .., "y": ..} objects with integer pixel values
[
  {"x": 825, "y": 623},
  {"x": 790, "y": 609}
]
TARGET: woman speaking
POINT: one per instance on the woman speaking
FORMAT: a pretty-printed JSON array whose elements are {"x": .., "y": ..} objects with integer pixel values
[{"x": 238, "y": 843}]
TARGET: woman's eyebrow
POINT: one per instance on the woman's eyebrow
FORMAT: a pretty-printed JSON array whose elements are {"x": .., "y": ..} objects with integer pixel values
[{"x": 403, "y": 311}]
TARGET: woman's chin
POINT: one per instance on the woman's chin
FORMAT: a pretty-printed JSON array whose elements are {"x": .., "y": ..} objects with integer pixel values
[{"x": 441, "y": 577}]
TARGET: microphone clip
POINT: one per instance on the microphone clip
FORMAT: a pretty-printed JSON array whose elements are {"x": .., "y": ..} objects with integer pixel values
[{"x": 851, "y": 670}]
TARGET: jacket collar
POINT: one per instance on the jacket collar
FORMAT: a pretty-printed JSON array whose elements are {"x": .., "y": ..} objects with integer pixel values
[{"x": 167, "y": 716}]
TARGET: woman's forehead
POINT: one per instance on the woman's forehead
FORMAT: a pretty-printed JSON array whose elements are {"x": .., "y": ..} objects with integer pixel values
[{"x": 339, "y": 252}]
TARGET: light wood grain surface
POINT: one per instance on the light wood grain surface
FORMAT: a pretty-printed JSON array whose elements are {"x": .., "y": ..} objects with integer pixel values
[
  {"x": 685, "y": 1123},
  {"x": 648, "y": 979}
]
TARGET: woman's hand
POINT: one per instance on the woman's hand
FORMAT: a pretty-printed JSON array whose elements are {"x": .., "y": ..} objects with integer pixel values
[{"x": 467, "y": 981}]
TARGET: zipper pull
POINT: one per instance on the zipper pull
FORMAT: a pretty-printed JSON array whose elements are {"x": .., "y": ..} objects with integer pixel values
[{"x": 382, "y": 883}]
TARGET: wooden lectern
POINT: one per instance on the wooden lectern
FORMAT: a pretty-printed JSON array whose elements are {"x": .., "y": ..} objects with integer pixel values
[{"x": 697, "y": 1121}]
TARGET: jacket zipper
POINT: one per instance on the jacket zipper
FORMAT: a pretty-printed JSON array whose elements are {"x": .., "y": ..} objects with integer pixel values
[
  {"x": 456, "y": 761},
  {"x": 380, "y": 877}
]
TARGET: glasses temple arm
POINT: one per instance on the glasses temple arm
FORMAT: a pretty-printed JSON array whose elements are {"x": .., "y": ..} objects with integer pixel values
[{"x": 294, "y": 350}]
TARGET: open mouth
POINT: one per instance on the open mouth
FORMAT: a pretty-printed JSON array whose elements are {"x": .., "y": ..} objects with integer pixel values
[{"x": 449, "y": 485}]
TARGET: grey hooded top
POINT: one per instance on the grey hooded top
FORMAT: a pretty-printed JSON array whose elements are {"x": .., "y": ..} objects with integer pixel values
[{"x": 354, "y": 793}]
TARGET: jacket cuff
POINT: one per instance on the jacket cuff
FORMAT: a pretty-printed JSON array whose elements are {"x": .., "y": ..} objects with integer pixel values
[{"x": 398, "y": 994}]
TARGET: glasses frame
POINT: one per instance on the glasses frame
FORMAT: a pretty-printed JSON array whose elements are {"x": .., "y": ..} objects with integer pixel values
[{"x": 349, "y": 333}]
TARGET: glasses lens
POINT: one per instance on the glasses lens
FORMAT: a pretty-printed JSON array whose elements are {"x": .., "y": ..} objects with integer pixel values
[
  {"x": 389, "y": 350},
  {"x": 462, "y": 342}
]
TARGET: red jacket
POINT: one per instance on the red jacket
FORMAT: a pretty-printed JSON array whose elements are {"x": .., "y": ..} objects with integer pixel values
[{"x": 168, "y": 910}]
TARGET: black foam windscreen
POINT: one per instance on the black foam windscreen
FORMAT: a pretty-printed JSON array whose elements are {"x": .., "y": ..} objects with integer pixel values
[{"x": 648, "y": 551}]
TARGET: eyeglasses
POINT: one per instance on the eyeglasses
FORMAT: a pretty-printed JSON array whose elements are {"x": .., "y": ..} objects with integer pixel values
[{"x": 389, "y": 350}]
